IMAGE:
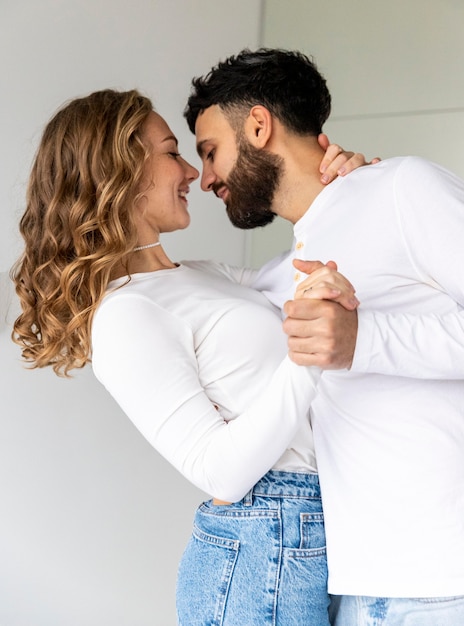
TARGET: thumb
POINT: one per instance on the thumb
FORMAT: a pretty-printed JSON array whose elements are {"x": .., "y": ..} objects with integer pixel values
[
  {"x": 308, "y": 267},
  {"x": 323, "y": 141}
]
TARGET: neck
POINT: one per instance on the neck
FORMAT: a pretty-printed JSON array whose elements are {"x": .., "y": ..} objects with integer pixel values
[
  {"x": 301, "y": 182},
  {"x": 144, "y": 258}
]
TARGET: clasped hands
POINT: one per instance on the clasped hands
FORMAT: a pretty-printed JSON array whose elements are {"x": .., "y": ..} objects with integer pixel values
[{"x": 322, "y": 320}]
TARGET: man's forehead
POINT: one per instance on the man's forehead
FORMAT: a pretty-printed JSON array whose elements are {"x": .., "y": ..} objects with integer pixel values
[
  {"x": 210, "y": 125},
  {"x": 209, "y": 119}
]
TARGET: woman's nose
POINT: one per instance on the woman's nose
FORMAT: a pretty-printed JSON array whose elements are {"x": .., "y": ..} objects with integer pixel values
[{"x": 191, "y": 172}]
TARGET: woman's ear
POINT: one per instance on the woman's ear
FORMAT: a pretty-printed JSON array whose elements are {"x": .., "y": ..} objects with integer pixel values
[{"x": 258, "y": 126}]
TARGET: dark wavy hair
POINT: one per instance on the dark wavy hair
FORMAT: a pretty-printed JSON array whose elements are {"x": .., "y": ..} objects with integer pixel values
[
  {"x": 78, "y": 225},
  {"x": 285, "y": 82}
]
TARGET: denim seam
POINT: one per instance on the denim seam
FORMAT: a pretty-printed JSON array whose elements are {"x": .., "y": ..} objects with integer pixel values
[
  {"x": 286, "y": 496},
  {"x": 232, "y": 544},
  {"x": 439, "y": 599},
  {"x": 305, "y": 553},
  {"x": 278, "y": 569},
  {"x": 226, "y": 581},
  {"x": 237, "y": 513}
]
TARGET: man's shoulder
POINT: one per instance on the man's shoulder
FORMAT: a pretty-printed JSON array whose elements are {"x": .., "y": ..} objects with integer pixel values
[
  {"x": 421, "y": 175},
  {"x": 399, "y": 172},
  {"x": 410, "y": 164}
]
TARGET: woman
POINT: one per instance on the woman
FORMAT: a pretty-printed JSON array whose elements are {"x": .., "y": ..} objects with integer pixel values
[{"x": 193, "y": 356}]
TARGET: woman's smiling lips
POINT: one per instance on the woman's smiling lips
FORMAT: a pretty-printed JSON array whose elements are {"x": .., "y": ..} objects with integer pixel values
[{"x": 183, "y": 194}]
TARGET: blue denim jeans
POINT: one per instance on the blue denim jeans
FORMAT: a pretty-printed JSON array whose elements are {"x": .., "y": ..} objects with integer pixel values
[
  {"x": 258, "y": 561},
  {"x": 367, "y": 611}
]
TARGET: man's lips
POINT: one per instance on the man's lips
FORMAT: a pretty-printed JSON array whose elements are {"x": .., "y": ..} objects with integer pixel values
[{"x": 222, "y": 193}]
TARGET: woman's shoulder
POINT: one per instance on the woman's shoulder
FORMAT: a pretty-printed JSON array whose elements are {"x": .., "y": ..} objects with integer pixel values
[{"x": 234, "y": 273}]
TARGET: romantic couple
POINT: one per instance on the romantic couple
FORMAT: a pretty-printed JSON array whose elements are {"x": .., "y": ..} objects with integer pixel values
[{"x": 358, "y": 405}]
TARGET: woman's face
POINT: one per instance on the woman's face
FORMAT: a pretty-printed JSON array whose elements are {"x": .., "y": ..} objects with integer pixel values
[{"x": 167, "y": 177}]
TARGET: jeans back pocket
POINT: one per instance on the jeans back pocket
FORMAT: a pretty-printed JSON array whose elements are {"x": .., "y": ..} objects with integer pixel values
[{"x": 205, "y": 572}]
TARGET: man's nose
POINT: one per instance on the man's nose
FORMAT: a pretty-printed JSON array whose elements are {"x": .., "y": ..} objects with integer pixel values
[{"x": 207, "y": 179}]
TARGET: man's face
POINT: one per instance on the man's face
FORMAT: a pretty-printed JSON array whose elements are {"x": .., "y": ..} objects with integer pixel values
[{"x": 244, "y": 177}]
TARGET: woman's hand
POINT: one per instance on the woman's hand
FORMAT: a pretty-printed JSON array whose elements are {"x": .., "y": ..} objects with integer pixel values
[
  {"x": 320, "y": 332},
  {"x": 325, "y": 283},
  {"x": 339, "y": 162}
]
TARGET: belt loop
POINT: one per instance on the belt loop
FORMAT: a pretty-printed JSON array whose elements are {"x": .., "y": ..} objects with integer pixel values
[{"x": 248, "y": 498}]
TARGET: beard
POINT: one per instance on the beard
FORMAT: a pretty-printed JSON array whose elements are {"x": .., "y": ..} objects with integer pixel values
[{"x": 252, "y": 184}]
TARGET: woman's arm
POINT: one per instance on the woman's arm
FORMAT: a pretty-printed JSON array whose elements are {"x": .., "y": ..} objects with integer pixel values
[{"x": 145, "y": 357}]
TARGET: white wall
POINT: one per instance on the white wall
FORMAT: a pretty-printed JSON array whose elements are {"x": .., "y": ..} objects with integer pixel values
[
  {"x": 395, "y": 71},
  {"x": 93, "y": 521}
]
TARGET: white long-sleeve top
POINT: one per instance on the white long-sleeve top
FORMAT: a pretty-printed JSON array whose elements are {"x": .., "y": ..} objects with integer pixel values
[
  {"x": 389, "y": 433},
  {"x": 172, "y": 345}
]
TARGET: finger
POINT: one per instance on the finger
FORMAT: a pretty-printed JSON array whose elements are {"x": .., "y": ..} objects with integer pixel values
[
  {"x": 357, "y": 160},
  {"x": 318, "y": 292},
  {"x": 293, "y": 309},
  {"x": 303, "y": 358},
  {"x": 348, "y": 300},
  {"x": 321, "y": 278},
  {"x": 333, "y": 153},
  {"x": 321, "y": 351},
  {"x": 353, "y": 162},
  {"x": 307, "y": 267},
  {"x": 326, "y": 276},
  {"x": 304, "y": 310},
  {"x": 311, "y": 351},
  {"x": 301, "y": 310}
]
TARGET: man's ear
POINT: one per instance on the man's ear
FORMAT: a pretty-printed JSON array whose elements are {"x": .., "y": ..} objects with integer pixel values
[{"x": 258, "y": 126}]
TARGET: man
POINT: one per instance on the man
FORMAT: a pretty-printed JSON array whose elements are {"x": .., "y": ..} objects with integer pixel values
[{"x": 389, "y": 423}]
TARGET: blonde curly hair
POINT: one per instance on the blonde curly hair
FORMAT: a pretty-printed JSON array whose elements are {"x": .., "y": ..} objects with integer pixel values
[{"x": 78, "y": 223}]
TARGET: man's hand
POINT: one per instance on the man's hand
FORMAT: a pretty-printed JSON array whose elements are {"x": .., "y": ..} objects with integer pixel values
[{"x": 320, "y": 332}]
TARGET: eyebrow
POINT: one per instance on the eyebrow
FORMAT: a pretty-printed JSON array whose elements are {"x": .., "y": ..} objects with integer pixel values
[
  {"x": 170, "y": 138},
  {"x": 200, "y": 145}
]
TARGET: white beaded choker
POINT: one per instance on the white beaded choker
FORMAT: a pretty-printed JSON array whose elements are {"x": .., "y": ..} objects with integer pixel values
[{"x": 148, "y": 245}]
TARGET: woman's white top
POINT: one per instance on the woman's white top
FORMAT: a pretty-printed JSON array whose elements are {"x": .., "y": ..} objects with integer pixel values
[{"x": 198, "y": 363}]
